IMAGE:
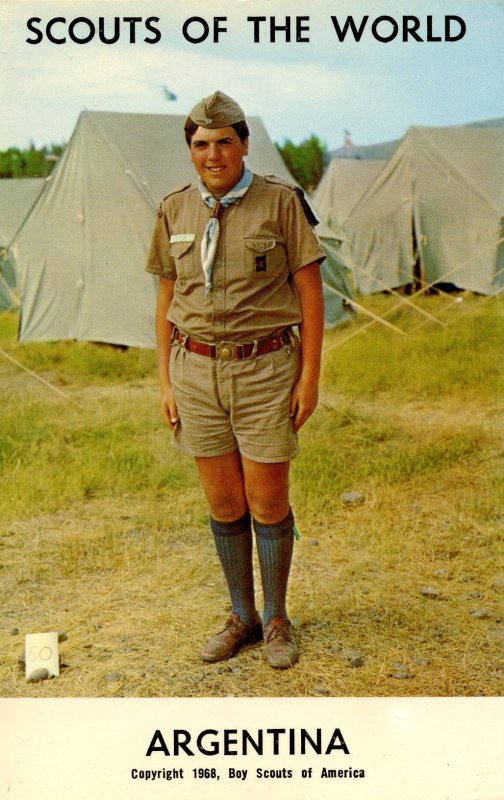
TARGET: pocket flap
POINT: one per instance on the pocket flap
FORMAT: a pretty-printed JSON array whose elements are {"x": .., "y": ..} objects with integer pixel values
[
  {"x": 260, "y": 244},
  {"x": 179, "y": 249}
]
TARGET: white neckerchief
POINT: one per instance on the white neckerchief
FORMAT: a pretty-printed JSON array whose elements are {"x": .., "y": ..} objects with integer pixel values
[{"x": 212, "y": 228}]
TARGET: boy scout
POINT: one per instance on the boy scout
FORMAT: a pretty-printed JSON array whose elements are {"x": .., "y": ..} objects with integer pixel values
[{"x": 238, "y": 266}]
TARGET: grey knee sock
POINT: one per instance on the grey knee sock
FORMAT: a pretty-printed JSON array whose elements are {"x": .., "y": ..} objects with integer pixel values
[
  {"x": 233, "y": 541},
  {"x": 274, "y": 548}
]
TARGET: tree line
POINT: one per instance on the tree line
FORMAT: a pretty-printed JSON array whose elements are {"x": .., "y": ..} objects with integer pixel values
[
  {"x": 30, "y": 162},
  {"x": 305, "y": 161}
]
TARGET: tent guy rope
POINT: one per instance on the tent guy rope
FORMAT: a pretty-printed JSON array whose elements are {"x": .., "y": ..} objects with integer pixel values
[
  {"x": 376, "y": 317},
  {"x": 39, "y": 378}
]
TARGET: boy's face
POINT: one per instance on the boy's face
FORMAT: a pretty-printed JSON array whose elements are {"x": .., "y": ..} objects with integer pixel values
[{"x": 217, "y": 155}]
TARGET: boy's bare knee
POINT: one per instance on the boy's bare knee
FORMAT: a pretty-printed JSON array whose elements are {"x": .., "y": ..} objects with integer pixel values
[
  {"x": 227, "y": 507},
  {"x": 268, "y": 509}
]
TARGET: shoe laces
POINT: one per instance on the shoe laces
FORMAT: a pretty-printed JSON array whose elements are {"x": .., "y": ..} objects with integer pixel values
[
  {"x": 278, "y": 628},
  {"x": 234, "y": 621}
]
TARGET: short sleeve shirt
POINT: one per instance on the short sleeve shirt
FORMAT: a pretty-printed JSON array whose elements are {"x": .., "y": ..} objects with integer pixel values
[{"x": 264, "y": 239}]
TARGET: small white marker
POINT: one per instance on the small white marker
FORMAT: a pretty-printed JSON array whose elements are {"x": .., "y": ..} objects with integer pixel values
[{"x": 41, "y": 652}]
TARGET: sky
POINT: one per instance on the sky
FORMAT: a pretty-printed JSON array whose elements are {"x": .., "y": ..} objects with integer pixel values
[{"x": 371, "y": 88}]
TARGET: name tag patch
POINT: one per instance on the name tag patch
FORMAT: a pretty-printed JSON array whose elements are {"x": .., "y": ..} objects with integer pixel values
[
  {"x": 182, "y": 237},
  {"x": 260, "y": 263}
]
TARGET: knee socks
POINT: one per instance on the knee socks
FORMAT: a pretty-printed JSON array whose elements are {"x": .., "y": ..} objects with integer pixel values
[
  {"x": 274, "y": 548},
  {"x": 233, "y": 541}
]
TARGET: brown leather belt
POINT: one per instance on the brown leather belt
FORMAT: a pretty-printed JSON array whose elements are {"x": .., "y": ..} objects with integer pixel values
[{"x": 229, "y": 350}]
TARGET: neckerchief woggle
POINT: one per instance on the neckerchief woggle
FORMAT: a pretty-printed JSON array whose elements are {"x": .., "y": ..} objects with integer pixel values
[{"x": 212, "y": 228}]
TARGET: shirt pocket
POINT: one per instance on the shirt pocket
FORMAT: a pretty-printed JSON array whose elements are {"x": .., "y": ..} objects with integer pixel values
[
  {"x": 264, "y": 257},
  {"x": 184, "y": 255}
]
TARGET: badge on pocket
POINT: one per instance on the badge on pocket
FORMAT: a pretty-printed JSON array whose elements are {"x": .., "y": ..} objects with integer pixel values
[{"x": 260, "y": 263}]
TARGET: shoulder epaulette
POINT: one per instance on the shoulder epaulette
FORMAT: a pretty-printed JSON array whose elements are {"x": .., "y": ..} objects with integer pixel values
[
  {"x": 278, "y": 181},
  {"x": 310, "y": 216},
  {"x": 176, "y": 190}
]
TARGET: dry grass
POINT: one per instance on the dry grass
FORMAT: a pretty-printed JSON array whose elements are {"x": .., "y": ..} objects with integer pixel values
[
  {"x": 132, "y": 578},
  {"x": 127, "y": 580}
]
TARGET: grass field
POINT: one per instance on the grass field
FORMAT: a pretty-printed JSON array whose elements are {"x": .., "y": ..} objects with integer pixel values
[{"x": 397, "y": 583}]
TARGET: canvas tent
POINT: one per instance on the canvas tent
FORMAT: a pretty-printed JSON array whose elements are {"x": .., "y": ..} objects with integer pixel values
[
  {"x": 80, "y": 253},
  {"x": 381, "y": 151},
  {"x": 342, "y": 185},
  {"x": 17, "y": 196},
  {"x": 337, "y": 291},
  {"x": 495, "y": 122},
  {"x": 438, "y": 202}
]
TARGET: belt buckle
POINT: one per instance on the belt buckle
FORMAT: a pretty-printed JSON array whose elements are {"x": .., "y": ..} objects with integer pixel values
[{"x": 225, "y": 350}]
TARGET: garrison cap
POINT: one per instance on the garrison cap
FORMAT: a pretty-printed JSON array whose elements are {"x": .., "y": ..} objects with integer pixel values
[{"x": 215, "y": 111}]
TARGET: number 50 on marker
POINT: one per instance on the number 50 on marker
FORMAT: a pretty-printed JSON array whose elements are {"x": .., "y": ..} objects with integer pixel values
[{"x": 41, "y": 652}]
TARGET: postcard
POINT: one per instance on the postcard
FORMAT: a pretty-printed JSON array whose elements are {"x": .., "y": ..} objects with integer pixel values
[{"x": 110, "y": 569}]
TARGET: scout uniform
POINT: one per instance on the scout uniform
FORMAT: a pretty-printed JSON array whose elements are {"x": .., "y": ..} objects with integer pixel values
[
  {"x": 264, "y": 238},
  {"x": 234, "y": 359}
]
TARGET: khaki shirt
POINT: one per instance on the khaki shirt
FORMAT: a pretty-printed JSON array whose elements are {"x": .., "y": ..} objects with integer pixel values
[{"x": 264, "y": 239}]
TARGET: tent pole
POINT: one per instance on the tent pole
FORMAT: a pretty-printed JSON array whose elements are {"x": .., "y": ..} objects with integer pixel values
[{"x": 442, "y": 279}]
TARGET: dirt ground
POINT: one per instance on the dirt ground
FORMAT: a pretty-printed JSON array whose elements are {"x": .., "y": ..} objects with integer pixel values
[{"x": 397, "y": 593}]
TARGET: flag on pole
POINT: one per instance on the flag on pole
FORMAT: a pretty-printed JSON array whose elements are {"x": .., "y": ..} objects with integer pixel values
[
  {"x": 347, "y": 141},
  {"x": 168, "y": 95}
]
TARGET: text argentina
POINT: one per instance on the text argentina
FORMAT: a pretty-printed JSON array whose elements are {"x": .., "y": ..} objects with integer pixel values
[{"x": 234, "y": 742}]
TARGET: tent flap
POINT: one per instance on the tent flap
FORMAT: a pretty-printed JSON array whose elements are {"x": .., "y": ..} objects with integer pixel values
[{"x": 440, "y": 198}]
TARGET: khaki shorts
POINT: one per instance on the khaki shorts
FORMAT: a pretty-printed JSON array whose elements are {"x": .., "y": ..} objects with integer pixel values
[{"x": 240, "y": 404}]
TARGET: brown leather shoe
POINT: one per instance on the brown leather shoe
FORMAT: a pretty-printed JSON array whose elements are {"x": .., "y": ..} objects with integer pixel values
[
  {"x": 236, "y": 634},
  {"x": 280, "y": 646}
]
